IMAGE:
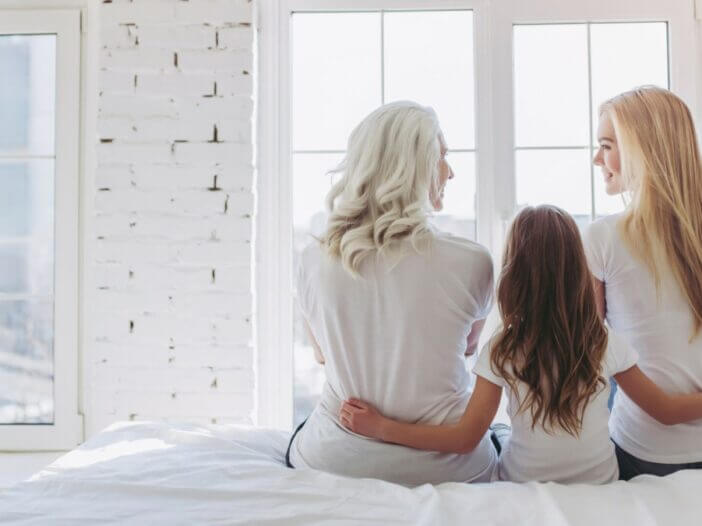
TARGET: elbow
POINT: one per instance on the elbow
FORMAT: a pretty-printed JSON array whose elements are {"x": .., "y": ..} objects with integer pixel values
[{"x": 667, "y": 417}]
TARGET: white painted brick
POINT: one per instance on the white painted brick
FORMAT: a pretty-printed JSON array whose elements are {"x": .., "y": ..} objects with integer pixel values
[
  {"x": 185, "y": 202},
  {"x": 115, "y": 35},
  {"x": 129, "y": 404},
  {"x": 116, "y": 301},
  {"x": 214, "y": 254},
  {"x": 142, "y": 106},
  {"x": 232, "y": 130},
  {"x": 206, "y": 380},
  {"x": 193, "y": 331},
  {"x": 234, "y": 278},
  {"x": 231, "y": 177},
  {"x": 235, "y": 37},
  {"x": 114, "y": 82},
  {"x": 214, "y": 11},
  {"x": 173, "y": 227},
  {"x": 176, "y": 84},
  {"x": 160, "y": 323},
  {"x": 214, "y": 303},
  {"x": 150, "y": 11},
  {"x": 114, "y": 175},
  {"x": 189, "y": 152},
  {"x": 215, "y": 60},
  {"x": 236, "y": 83},
  {"x": 177, "y": 37},
  {"x": 216, "y": 108},
  {"x": 125, "y": 153},
  {"x": 154, "y": 129},
  {"x": 136, "y": 60},
  {"x": 131, "y": 252},
  {"x": 169, "y": 354}
]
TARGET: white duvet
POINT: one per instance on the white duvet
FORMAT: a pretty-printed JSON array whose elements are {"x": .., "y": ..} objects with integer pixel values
[{"x": 154, "y": 473}]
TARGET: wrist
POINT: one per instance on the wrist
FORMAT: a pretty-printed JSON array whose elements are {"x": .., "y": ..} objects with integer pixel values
[{"x": 385, "y": 430}]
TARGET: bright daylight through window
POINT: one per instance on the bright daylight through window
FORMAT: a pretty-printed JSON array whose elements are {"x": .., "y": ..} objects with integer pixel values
[
  {"x": 562, "y": 72},
  {"x": 27, "y": 158},
  {"x": 369, "y": 59}
]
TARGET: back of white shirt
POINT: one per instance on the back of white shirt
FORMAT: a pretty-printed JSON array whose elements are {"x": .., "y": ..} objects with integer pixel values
[
  {"x": 556, "y": 456},
  {"x": 658, "y": 326},
  {"x": 396, "y": 338}
]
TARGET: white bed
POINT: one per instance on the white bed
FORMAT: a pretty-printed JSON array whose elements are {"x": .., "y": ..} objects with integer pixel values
[{"x": 154, "y": 473}]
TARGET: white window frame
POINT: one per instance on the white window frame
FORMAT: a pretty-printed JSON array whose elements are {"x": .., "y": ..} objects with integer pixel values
[
  {"x": 67, "y": 429},
  {"x": 494, "y": 144}
]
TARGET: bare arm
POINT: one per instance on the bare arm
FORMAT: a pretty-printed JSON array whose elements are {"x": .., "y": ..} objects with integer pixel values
[
  {"x": 600, "y": 297},
  {"x": 317, "y": 351},
  {"x": 474, "y": 336},
  {"x": 666, "y": 408},
  {"x": 462, "y": 437}
]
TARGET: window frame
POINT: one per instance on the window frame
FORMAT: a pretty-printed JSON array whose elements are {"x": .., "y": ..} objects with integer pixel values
[
  {"x": 67, "y": 429},
  {"x": 494, "y": 143}
]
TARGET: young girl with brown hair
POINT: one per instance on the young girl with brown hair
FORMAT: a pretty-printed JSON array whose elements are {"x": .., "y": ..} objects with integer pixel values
[{"x": 552, "y": 356}]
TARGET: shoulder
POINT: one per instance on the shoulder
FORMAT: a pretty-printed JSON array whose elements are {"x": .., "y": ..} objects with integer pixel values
[
  {"x": 454, "y": 248},
  {"x": 602, "y": 229},
  {"x": 311, "y": 257}
]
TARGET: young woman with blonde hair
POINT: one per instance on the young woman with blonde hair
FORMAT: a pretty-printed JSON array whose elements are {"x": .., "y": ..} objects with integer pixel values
[
  {"x": 392, "y": 305},
  {"x": 647, "y": 262},
  {"x": 552, "y": 357}
]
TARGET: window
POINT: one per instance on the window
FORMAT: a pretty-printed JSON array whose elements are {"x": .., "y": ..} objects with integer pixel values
[
  {"x": 556, "y": 114},
  {"x": 371, "y": 58},
  {"x": 39, "y": 65},
  {"x": 516, "y": 86}
]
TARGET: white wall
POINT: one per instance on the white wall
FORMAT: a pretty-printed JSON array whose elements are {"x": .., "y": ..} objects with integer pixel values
[{"x": 168, "y": 320}]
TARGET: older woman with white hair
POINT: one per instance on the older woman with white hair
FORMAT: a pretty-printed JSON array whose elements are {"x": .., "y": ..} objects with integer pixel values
[{"x": 392, "y": 305}]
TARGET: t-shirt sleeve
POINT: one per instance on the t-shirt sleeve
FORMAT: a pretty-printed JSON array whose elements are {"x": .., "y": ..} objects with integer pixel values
[
  {"x": 487, "y": 289},
  {"x": 623, "y": 356},
  {"x": 483, "y": 366},
  {"x": 595, "y": 241}
]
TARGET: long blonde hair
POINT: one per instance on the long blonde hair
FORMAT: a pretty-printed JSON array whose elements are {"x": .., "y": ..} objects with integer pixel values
[
  {"x": 552, "y": 338},
  {"x": 382, "y": 198},
  {"x": 662, "y": 169}
]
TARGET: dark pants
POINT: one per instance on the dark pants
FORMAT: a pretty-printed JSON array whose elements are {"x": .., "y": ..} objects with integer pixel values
[
  {"x": 287, "y": 453},
  {"x": 630, "y": 466}
]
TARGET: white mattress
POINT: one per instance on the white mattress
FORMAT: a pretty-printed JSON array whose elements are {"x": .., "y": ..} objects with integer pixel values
[{"x": 154, "y": 473}]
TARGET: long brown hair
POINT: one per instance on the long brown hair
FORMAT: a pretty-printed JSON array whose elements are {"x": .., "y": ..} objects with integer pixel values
[
  {"x": 552, "y": 338},
  {"x": 662, "y": 168}
]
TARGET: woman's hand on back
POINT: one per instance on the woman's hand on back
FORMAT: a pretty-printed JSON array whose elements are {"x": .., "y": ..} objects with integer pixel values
[{"x": 362, "y": 418}]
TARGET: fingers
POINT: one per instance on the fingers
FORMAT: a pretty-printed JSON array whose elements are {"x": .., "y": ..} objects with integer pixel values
[
  {"x": 360, "y": 404},
  {"x": 346, "y": 418}
]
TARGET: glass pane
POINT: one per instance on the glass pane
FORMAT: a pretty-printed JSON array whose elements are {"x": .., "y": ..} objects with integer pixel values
[
  {"x": 429, "y": 59},
  {"x": 26, "y": 199},
  {"x": 27, "y": 94},
  {"x": 625, "y": 56},
  {"x": 551, "y": 85},
  {"x": 26, "y": 362},
  {"x": 27, "y": 268},
  {"x": 458, "y": 214},
  {"x": 336, "y": 76},
  {"x": 311, "y": 183},
  {"x": 557, "y": 177}
]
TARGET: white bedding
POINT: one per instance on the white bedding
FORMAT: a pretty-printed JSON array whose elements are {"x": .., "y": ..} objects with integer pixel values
[{"x": 153, "y": 473}]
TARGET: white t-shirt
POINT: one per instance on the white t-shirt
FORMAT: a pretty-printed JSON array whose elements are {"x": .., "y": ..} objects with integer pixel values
[
  {"x": 395, "y": 338},
  {"x": 533, "y": 454},
  {"x": 659, "y": 329}
]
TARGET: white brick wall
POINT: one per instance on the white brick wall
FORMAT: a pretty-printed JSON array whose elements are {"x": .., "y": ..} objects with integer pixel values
[{"x": 170, "y": 313}]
